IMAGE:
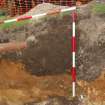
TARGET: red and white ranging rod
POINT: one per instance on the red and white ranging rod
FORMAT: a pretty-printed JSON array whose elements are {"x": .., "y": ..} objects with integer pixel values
[
  {"x": 51, "y": 12},
  {"x": 73, "y": 71}
]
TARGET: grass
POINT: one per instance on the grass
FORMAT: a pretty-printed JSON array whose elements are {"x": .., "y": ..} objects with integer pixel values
[
  {"x": 2, "y": 17},
  {"x": 99, "y": 8},
  {"x": 14, "y": 24},
  {"x": 21, "y": 23}
]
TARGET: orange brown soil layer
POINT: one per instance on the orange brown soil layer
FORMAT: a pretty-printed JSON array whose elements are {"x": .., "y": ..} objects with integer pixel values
[
  {"x": 18, "y": 85},
  {"x": 95, "y": 90}
]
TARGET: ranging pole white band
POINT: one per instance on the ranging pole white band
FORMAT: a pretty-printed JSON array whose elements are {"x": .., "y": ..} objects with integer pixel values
[
  {"x": 68, "y": 9},
  {"x": 73, "y": 59},
  {"x": 9, "y": 21},
  {"x": 37, "y": 16},
  {"x": 73, "y": 29},
  {"x": 73, "y": 89}
]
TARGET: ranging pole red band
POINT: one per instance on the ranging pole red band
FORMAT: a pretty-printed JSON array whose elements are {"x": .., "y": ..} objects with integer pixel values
[
  {"x": 73, "y": 72},
  {"x": 24, "y": 18},
  {"x": 73, "y": 44}
]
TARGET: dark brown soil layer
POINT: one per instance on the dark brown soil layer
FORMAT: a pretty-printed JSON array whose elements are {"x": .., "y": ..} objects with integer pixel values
[{"x": 52, "y": 52}]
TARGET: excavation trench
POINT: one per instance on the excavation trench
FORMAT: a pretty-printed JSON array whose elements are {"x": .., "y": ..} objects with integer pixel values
[{"x": 50, "y": 55}]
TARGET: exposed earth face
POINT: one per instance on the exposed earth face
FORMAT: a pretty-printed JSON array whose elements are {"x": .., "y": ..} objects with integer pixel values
[
  {"x": 51, "y": 54},
  {"x": 91, "y": 26},
  {"x": 18, "y": 87},
  {"x": 33, "y": 71}
]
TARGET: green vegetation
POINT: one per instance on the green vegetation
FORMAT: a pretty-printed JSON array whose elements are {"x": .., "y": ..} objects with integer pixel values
[
  {"x": 24, "y": 22},
  {"x": 2, "y": 17},
  {"x": 99, "y": 8},
  {"x": 14, "y": 24}
]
